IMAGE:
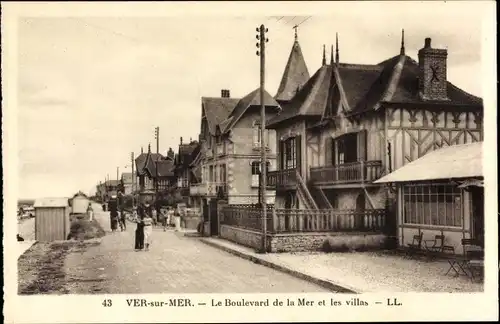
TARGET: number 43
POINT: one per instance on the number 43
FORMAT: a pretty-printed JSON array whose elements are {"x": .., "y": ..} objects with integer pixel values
[{"x": 107, "y": 303}]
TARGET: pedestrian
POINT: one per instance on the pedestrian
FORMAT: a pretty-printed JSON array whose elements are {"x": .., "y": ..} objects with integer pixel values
[
  {"x": 112, "y": 206},
  {"x": 123, "y": 220},
  {"x": 148, "y": 227},
  {"x": 164, "y": 219},
  {"x": 139, "y": 232},
  {"x": 90, "y": 212},
  {"x": 154, "y": 216},
  {"x": 177, "y": 217}
]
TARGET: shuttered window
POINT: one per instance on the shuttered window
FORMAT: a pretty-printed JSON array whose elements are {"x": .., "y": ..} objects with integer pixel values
[
  {"x": 290, "y": 153},
  {"x": 362, "y": 149}
]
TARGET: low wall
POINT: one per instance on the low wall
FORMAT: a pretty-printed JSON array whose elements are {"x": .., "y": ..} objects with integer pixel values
[
  {"x": 241, "y": 236},
  {"x": 302, "y": 242}
]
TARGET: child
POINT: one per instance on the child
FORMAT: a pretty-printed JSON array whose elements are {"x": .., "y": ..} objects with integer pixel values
[{"x": 148, "y": 230}]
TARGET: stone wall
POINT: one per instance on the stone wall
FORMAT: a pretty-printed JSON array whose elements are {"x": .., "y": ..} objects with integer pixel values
[
  {"x": 301, "y": 242},
  {"x": 241, "y": 236}
]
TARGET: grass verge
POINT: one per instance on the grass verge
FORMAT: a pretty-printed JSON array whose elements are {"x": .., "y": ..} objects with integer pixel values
[{"x": 41, "y": 267}]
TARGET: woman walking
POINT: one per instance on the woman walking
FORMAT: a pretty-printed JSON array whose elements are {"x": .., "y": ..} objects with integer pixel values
[
  {"x": 113, "y": 208},
  {"x": 139, "y": 232},
  {"x": 148, "y": 230},
  {"x": 90, "y": 211}
]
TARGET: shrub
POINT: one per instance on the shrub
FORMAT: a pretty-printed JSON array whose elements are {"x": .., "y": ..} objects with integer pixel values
[{"x": 83, "y": 229}]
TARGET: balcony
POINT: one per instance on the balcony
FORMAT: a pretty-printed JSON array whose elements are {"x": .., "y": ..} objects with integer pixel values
[
  {"x": 198, "y": 189},
  {"x": 282, "y": 179},
  {"x": 215, "y": 189},
  {"x": 347, "y": 173}
]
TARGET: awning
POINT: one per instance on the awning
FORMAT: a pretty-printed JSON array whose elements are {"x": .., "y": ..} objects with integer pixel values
[
  {"x": 471, "y": 183},
  {"x": 452, "y": 162}
]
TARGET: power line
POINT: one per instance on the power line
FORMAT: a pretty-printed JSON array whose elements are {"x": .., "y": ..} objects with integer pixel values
[
  {"x": 303, "y": 21},
  {"x": 108, "y": 30}
]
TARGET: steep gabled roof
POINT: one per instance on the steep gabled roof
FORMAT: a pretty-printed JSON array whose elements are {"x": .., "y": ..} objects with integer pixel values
[
  {"x": 311, "y": 100},
  {"x": 187, "y": 153},
  {"x": 216, "y": 110},
  {"x": 398, "y": 83},
  {"x": 294, "y": 76},
  {"x": 165, "y": 168},
  {"x": 354, "y": 88},
  {"x": 250, "y": 100},
  {"x": 140, "y": 161}
]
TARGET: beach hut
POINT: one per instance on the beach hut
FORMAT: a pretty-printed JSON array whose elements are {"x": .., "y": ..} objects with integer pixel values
[
  {"x": 79, "y": 203},
  {"x": 441, "y": 193},
  {"x": 51, "y": 219}
]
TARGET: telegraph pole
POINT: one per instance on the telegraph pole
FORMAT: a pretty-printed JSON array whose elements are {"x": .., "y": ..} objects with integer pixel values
[
  {"x": 133, "y": 178},
  {"x": 262, "y": 53},
  {"x": 157, "y": 137}
]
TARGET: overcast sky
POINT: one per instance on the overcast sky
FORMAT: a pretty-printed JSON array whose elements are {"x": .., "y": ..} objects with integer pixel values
[{"x": 91, "y": 90}]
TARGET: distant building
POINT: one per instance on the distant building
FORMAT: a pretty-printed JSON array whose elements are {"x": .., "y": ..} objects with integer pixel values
[
  {"x": 126, "y": 183},
  {"x": 112, "y": 187},
  {"x": 186, "y": 154}
]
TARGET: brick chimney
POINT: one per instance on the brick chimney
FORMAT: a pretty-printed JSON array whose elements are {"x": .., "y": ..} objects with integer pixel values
[
  {"x": 432, "y": 77},
  {"x": 224, "y": 93},
  {"x": 181, "y": 140}
]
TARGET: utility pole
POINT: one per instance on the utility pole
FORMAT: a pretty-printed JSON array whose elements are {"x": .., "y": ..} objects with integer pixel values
[
  {"x": 262, "y": 53},
  {"x": 157, "y": 137},
  {"x": 133, "y": 178}
]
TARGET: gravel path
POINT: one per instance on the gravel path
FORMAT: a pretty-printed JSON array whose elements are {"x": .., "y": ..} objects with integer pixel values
[{"x": 378, "y": 272}]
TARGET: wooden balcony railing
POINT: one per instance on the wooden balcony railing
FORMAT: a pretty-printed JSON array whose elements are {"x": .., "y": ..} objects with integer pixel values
[
  {"x": 304, "y": 220},
  {"x": 354, "y": 172},
  {"x": 282, "y": 178}
]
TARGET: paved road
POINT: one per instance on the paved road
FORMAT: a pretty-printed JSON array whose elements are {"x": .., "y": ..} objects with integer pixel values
[{"x": 174, "y": 264}]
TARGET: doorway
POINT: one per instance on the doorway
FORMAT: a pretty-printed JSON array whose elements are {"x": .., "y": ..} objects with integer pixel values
[
  {"x": 214, "y": 217},
  {"x": 477, "y": 208}
]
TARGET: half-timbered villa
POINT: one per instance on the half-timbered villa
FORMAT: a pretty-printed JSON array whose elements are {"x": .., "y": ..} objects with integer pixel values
[
  {"x": 350, "y": 124},
  {"x": 146, "y": 174}
]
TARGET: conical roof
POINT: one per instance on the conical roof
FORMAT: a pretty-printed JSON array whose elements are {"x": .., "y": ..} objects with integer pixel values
[{"x": 295, "y": 74}]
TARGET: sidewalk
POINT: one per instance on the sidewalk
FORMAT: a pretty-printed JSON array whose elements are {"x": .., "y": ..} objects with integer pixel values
[{"x": 357, "y": 272}]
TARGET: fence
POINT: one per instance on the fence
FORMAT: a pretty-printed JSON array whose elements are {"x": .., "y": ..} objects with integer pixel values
[{"x": 304, "y": 220}]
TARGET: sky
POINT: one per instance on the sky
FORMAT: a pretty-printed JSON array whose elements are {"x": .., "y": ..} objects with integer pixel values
[{"x": 92, "y": 89}]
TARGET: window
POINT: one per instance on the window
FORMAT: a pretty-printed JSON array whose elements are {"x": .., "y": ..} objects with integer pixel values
[
  {"x": 256, "y": 172},
  {"x": 290, "y": 154},
  {"x": 439, "y": 205},
  {"x": 222, "y": 173},
  {"x": 211, "y": 173},
  {"x": 256, "y": 135}
]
